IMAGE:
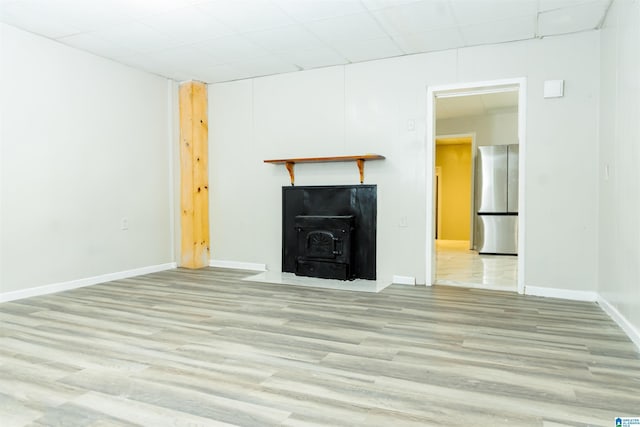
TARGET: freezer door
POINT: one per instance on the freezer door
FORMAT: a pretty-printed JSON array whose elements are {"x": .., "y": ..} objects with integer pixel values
[
  {"x": 498, "y": 234},
  {"x": 512, "y": 178},
  {"x": 492, "y": 177}
]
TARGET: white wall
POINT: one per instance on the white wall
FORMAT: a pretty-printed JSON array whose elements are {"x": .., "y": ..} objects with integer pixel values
[
  {"x": 490, "y": 129},
  {"x": 84, "y": 143},
  {"x": 619, "y": 241},
  {"x": 364, "y": 108}
]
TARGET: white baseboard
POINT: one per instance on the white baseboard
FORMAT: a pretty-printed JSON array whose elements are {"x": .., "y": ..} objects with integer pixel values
[
  {"x": 569, "y": 294},
  {"x": 237, "y": 265},
  {"x": 627, "y": 327},
  {"x": 79, "y": 283},
  {"x": 404, "y": 280}
]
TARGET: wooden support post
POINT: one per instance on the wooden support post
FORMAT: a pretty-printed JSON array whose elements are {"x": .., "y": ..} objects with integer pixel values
[{"x": 194, "y": 175}]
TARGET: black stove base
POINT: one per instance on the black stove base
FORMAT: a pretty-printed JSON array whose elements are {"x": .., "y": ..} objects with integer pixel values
[{"x": 323, "y": 270}]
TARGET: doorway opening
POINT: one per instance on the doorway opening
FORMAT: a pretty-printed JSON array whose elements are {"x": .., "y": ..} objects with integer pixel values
[{"x": 469, "y": 242}]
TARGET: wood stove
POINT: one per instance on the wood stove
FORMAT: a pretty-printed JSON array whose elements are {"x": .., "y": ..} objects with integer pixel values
[
  {"x": 324, "y": 246},
  {"x": 329, "y": 231}
]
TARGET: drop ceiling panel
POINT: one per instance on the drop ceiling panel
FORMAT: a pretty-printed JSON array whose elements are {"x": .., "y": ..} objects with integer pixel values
[
  {"x": 313, "y": 10},
  {"x": 267, "y": 64},
  {"x": 366, "y": 50},
  {"x": 28, "y": 17},
  {"x": 415, "y": 18},
  {"x": 293, "y": 37},
  {"x": 138, "y": 9},
  {"x": 314, "y": 58},
  {"x": 261, "y": 66},
  {"x": 472, "y": 12},
  {"x": 146, "y": 63},
  {"x": 78, "y": 14},
  {"x": 137, "y": 36},
  {"x": 292, "y": 34},
  {"x": 232, "y": 48},
  {"x": 360, "y": 26},
  {"x": 446, "y": 38},
  {"x": 545, "y": 5},
  {"x": 91, "y": 43},
  {"x": 247, "y": 15},
  {"x": 216, "y": 73},
  {"x": 182, "y": 58},
  {"x": 499, "y": 31},
  {"x": 383, "y": 4},
  {"x": 586, "y": 16},
  {"x": 188, "y": 25}
]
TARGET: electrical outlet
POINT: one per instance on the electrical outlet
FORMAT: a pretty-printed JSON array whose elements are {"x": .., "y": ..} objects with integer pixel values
[
  {"x": 124, "y": 224},
  {"x": 404, "y": 222},
  {"x": 411, "y": 125}
]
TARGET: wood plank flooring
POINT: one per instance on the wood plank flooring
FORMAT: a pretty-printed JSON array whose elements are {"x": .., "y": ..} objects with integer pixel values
[{"x": 203, "y": 348}]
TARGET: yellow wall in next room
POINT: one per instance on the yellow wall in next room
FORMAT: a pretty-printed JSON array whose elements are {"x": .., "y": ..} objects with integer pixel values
[{"x": 454, "y": 161}]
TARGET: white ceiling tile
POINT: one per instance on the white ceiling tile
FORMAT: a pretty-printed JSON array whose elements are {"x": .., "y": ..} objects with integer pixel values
[
  {"x": 313, "y": 10},
  {"x": 313, "y": 58},
  {"x": 260, "y": 66},
  {"x": 382, "y": 4},
  {"x": 416, "y": 18},
  {"x": 360, "y": 26},
  {"x": 545, "y": 5},
  {"x": 79, "y": 14},
  {"x": 29, "y": 17},
  {"x": 224, "y": 39},
  {"x": 246, "y": 15},
  {"x": 146, "y": 63},
  {"x": 187, "y": 24},
  {"x": 90, "y": 43},
  {"x": 446, "y": 38},
  {"x": 366, "y": 50},
  {"x": 143, "y": 8},
  {"x": 5, "y": 3},
  {"x": 471, "y": 12},
  {"x": 500, "y": 31},
  {"x": 230, "y": 48},
  {"x": 264, "y": 65},
  {"x": 136, "y": 36},
  {"x": 218, "y": 73},
  {"x": 571, "y": 19},
  {"x": 182, "y": 58},
  {"x": 285, "y": 38}
]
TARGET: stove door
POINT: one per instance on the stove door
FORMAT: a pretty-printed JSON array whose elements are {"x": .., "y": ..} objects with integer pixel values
[{"x": 319, "y": 244}]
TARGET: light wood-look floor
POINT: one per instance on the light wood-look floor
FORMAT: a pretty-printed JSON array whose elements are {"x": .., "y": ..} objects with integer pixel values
[{"x": 202, "y": 348}]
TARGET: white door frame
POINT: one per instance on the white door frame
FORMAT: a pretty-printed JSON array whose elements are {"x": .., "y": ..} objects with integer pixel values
[{"x": 462, "y": 89}]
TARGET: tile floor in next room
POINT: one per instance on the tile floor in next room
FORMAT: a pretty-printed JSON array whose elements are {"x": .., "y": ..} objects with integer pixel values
[{"x": 457, "y": 265}]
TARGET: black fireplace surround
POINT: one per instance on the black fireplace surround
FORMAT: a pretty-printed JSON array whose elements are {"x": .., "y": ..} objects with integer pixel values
[{"x": 330, "y": 231}]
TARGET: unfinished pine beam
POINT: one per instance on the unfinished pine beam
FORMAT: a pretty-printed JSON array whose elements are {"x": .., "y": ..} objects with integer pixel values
[{"x": 194, "y": 182}]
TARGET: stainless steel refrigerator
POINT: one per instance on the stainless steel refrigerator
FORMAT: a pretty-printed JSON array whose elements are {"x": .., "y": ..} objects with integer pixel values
[{"x": 497, "y": 200}]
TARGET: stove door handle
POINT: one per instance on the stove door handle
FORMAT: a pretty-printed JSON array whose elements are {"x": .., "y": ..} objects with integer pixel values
[{"x": 337, "y": 242}]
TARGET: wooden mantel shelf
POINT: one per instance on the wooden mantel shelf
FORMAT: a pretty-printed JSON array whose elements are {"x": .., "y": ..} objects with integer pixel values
[{"x": 289, "y": 163}]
